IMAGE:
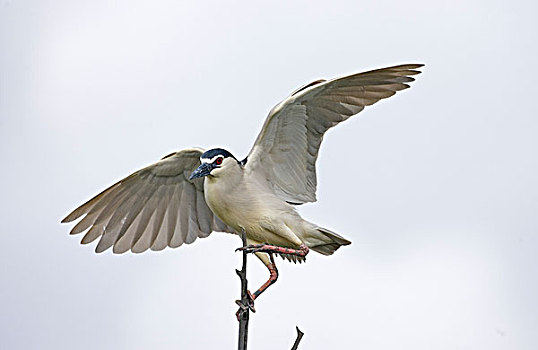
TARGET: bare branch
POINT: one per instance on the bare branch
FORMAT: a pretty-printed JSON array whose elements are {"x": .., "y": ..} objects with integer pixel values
[
  {"x": 244, "y": 309},
  {"x": 298, "y": 340}
]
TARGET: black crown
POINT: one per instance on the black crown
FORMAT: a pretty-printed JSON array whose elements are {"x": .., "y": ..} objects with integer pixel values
[{"x": 217, "y": 152}]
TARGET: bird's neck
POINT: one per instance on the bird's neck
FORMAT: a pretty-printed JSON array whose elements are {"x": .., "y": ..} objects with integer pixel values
[{"x": 228, "y": 180}]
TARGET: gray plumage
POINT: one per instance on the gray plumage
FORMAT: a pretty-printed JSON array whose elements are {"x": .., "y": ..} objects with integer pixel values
[
  {"x": 155, "y": 207},
  {"x": 180, "y": 198}
]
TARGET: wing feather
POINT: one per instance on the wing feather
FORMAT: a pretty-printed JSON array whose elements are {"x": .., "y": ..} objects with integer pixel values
[
  {"x": 204, "y": 215},
  {"x": 287, "y": 147},
  {"x": 135, "y": 217},
  {"x": 168, "y": 222},
  {"x": 193, "y": 228},
  {"x": 153, "y": 208}
]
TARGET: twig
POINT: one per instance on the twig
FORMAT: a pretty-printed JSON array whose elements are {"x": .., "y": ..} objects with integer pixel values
[
  {"x": 298, "y": 340},
  {"x": 243, "y": 313}
]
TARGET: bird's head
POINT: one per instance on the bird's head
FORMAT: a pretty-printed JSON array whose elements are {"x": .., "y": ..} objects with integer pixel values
[{"x": 214, "y": 162}]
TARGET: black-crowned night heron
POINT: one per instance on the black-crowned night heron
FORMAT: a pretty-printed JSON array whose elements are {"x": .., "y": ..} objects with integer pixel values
[{"x": 190, "y": 193}]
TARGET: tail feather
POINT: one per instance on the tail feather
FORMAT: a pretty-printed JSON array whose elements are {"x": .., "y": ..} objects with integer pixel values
[{"x": 334, "y": 241}]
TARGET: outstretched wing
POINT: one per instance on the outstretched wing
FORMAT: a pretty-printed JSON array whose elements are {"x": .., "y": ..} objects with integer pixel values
[
  {"x": 155, "y": 207},
  {"x": 286, "y": 149}
]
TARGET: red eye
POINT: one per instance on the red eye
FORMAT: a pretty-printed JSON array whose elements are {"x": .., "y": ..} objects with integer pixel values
[{"x": 218, "y": 161}]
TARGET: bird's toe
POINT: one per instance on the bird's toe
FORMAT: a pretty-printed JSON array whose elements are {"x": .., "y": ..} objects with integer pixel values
[{"x": 245, "y": 305}]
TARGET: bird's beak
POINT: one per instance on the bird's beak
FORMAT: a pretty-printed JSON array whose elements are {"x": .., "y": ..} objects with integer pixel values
[{"x": 203, "y": 170}]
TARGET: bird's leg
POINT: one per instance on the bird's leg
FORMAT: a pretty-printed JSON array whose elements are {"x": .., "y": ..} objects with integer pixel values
[
  {"x": 273, "y": 276},
  {"x": 267, "y": 248}
]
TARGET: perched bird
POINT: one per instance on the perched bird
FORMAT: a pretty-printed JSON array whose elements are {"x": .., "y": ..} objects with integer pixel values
[{"x": 190, "y": 193}]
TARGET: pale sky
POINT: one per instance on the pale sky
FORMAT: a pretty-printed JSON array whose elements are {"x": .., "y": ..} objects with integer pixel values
[{"x": 439, "y": 193}]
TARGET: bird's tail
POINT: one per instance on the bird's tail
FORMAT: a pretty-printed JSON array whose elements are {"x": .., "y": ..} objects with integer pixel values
[
  {"x": 330, "y": 244},
  {"x": 320, "y": 240}
]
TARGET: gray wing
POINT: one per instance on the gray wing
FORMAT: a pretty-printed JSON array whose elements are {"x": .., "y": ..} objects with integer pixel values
[
  {"x": 155, "y": 207},
  {"x": 286, "y": 149}
]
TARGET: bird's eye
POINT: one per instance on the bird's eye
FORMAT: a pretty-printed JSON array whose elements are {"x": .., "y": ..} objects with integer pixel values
[{"x": 218, "y": 161}]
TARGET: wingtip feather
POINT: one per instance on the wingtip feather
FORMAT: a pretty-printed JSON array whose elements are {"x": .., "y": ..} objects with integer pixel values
[{"x": 72, "y": 216}]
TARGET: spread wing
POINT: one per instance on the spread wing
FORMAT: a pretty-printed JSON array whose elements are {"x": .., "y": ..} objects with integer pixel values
[
  {"x": 286, "y": 149},
  {"x": 155, "y": 207}
]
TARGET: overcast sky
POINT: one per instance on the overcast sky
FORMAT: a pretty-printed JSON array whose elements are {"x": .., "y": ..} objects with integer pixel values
[{"x": 439, "y": 193}]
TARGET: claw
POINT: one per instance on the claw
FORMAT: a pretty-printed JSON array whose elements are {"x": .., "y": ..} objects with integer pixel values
[
  {"x": 251, "y": 248},
  {"x": 244, "y": 308},
  {"x": 267, "y": 248}
]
